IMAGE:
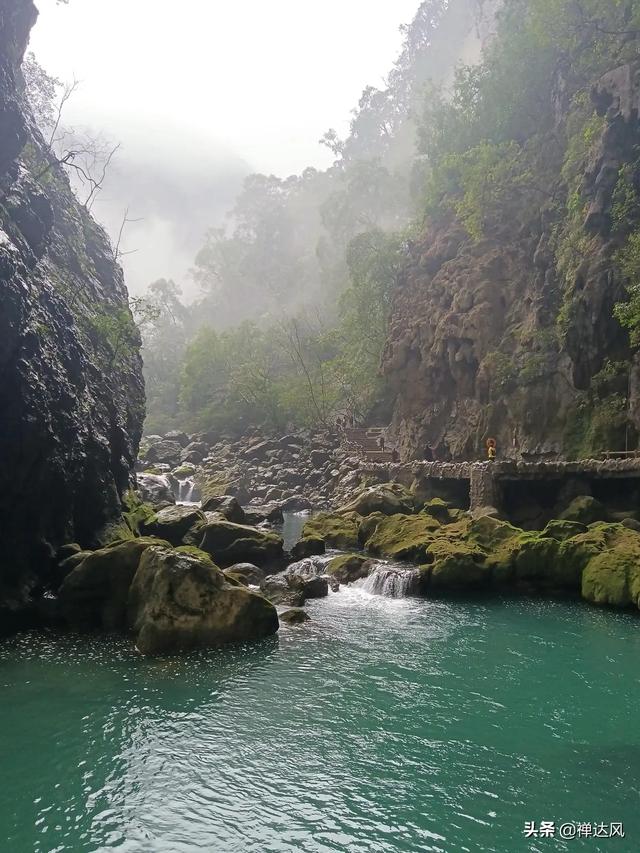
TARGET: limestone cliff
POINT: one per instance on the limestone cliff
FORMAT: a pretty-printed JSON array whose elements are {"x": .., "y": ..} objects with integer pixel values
[
  {"x": 494, "y": 337},
  {"x": 71, "y": 389}
]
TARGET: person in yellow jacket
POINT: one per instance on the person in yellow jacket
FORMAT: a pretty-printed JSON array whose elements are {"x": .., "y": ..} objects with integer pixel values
[{"x": 491, "y": 449}]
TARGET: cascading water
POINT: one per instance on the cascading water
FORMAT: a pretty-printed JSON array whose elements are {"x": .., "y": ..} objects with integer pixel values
[
  {"x": 392, "y": 581},
  {"x": 185, "y": 490}
]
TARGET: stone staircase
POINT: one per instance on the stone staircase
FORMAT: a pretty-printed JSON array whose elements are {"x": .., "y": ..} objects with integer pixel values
[{"x": 364, "y": 442}]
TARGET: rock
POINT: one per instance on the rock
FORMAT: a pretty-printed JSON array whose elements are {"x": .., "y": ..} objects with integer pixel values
[
  {"x": 173, "y": 523},
  {"x": 94, "y": 594},
  {"x": 319, "y": 458},
  {"x": 307, "y": 547},
  {"x": 252, "y": 574},
  {"x": 194, "y": 452},
  {"x": 631, "y": 524},
  {"x": 317, "y": 587},
  {"x": 226, "y": 505},
  {"x": 337, "y": 529},
  {"x": 278, "y": 590},
  {"x": 562, "y": 530},
  {"x": 584, "y": 509},
  {"x": 155, "y": 489},
  {"x": 230, "y": 543},
  {"x": 167, "y": 452},
  {"x": 440, "y": 510},
  {"x": 180, "y": 437},
  {"x": 296, "y": 503},
  {"x": 388, "y": 498},
  {"x": 612, "y": 578},
  {"x": 294, "y": 616},
  {"x": 72, "y": 411},
  {"x": 179, "y": 602},
  {"x": 348, "y": 568},
  {"x": 270, "y": 513},
  {"x": 67, "y": 550},
  {"x": 400, "y": 537}
]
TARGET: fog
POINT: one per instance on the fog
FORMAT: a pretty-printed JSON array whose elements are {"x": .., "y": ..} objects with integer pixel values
[{"x": 204, "y": 92}]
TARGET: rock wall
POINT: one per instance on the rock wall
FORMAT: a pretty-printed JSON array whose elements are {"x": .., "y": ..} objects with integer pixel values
[
  {"x": 487, "y": 338},
  {"x": 71, "y": 388}
]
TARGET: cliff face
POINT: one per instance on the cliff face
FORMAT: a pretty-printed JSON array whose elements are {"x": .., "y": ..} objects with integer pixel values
[
  {"x": 71, "y": 389},
  {"x": 494, "y": 338}
]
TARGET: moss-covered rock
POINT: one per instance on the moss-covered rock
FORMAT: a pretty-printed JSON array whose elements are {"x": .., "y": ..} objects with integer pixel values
[
  {"x": 461, "y": 569},
  {"x": 229, "y": 543},
  {"x": 402, "y": 537},
  {"x": 227, "y": 505},
  {"x": 563, "y": 530},
  {"x": 584, "y": 509},
  {"x": 339, "y": 530},
  {"x": 348, "y": 568},
  {"x": 178, "y": 602},
  {"x": 94, "y": 594},
  {"x": 386, "y": 498},
  {"x": 612, "y": 575},
  {"x": 441, "y": 511},
  {"x": 173, "y": 523}
]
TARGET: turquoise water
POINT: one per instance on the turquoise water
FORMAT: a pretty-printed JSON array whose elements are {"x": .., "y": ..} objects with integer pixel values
[{"x": 383, "y": 725}]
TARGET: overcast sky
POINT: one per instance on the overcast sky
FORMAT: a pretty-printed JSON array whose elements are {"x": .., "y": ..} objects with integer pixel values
[{"x": 262, "y": 79}]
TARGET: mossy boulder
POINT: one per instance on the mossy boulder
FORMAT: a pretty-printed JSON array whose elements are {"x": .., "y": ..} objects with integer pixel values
[
  {"x": 584, "y": 509},
  {"x": 339, "y": 530},
  {"x": 401, "y": 537},
  {"x": 229, "y": 543},
  {"x": 308, "y": 546},
  {"x": 173, "y": 523},
  {"x": 441, "y": 511},
  {"x": 562, "y": 530},
  {"x": 461, "y": 569},
  {"x": 227, "y": 505},
  {"x": 178, "y": 601},
  {"x": 94, "y": 594},
  {"x": 387, "y": 498},
  {"x": 348, "y": 568},
  {"x": 612, "y": 575}
]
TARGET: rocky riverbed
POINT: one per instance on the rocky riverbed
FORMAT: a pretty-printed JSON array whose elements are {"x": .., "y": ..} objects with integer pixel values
[{"x": 178, "y": 575}]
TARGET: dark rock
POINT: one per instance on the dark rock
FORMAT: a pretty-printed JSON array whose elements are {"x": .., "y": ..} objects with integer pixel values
[
  {"x": 165, "y": 452},
  {"x": 278, "y": 590},
  {"x": 252, "y": 574},
  {"x": 294, "y": 616},
  {"x": 71, "y": 412},
  {"x": 226, "y": 505},
  {"x": 179, "y": 601},
  {"x": 173, "y": 523},
  {"x": 231, "y": 543},
  {"x": 307, "y": 547},
  {"x": 181, "y": 437},
  {"x": 155, "y": 489}
]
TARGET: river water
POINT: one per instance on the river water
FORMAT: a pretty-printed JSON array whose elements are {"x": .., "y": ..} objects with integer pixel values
[{"x": 382, "y": 725}]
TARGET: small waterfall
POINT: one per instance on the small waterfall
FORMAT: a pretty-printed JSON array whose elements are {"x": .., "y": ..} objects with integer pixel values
[
  {"x": 392, "y": 582},
  {"x": 310, "y": 567},
  {"x": 185, "y": 490}
]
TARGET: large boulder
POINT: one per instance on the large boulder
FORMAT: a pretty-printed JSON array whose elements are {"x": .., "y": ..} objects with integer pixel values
[
  {"x": 348, "y": 568},
  {"x": 226, "y": 505},
  {"x": 279, "y": 590},
  {"x": 400, "y": 537},
  {"x": 264, "y": 513},
  {"x": 308, "y": 547},
  {"x": 387, "y": 498},
  {"x": 180, "y": 437},
  {"x": 155, "y": 489},
  {"x": 230, "y": 543},
  {"x": 584, "y": 509},
  {"x": 166, "y": 452},
  {"x": 250, "y": 573},
  {"x": 337, "y": 529},
  {"x": 179, "y": 601},
  {"x": 94, "y": 594},
  {"x": 173, "y": 523}
]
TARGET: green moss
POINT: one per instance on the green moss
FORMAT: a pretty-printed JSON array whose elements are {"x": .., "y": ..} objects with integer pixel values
[
  {"x": 348, "y": 567},
  {"x": 195, "y": 552},
  {"x": 403, "y": 537},
  {"x": 584, "y": 509},
  {"x": 337, "y": 529}
]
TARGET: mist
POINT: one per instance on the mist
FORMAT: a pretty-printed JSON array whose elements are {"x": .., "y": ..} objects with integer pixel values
[{"x": 201, "y": 99}]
